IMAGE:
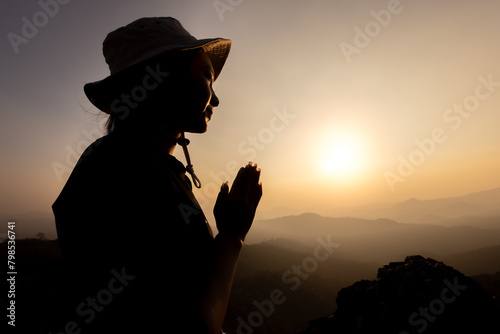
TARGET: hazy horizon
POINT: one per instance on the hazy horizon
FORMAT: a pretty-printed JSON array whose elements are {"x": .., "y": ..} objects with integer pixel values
[{"x": 477, "y": 210}]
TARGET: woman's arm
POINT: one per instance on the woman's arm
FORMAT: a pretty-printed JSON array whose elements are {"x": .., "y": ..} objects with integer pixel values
[
  {"x": 234, "y": 212},
  {"x": 215, "y": 300}
]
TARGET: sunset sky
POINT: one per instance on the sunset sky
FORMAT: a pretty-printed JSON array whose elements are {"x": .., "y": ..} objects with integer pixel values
[{"x": 340, "y": 102}]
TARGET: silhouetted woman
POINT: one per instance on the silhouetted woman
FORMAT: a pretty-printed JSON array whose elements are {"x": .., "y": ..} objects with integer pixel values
[{"x": 141, "y": 256}]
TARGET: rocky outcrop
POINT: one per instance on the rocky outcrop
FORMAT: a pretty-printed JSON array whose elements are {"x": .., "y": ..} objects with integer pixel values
[{"x": 415, "y": 296}]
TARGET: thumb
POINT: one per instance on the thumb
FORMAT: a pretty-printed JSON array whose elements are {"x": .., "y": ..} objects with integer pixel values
[{"x": 224, "y": 192}]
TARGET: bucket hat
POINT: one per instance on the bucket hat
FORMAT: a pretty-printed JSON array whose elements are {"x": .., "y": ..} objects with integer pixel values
[{"x": 142, "y": 40}]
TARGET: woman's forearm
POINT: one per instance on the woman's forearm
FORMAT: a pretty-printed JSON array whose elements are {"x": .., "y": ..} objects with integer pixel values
[
  {"x": 234, "y": 212},
  {"x": 218, "y": 288}
]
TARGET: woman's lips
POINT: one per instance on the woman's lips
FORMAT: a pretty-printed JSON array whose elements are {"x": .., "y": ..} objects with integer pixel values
[{"x": 208, "y": 113}]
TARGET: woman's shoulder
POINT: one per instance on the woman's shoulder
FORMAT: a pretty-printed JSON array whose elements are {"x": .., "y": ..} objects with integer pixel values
[{"x": 115, "y": 153}]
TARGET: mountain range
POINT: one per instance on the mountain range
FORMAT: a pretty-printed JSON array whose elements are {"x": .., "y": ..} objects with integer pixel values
[
  {"x": 479, "y": 209},
  {"x": 381, "y": 240}
]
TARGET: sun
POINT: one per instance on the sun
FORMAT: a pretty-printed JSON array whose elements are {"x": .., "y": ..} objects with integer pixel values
[{"x": 341, "y": 155}]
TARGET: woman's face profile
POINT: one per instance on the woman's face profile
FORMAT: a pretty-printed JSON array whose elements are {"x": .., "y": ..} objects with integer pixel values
[{"x": 197, "y": 98}]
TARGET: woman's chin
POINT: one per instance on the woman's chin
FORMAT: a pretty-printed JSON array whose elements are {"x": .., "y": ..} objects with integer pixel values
[{"x": 197, "y": 128}]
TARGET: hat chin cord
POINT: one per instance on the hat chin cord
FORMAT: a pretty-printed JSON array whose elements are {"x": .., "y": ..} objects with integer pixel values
[{"x": 189, "y": 167}]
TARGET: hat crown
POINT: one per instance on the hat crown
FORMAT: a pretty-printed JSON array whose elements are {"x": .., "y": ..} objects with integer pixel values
[
  {"x": 136, "y": 41},
  {"x": 145, "y": 39}
]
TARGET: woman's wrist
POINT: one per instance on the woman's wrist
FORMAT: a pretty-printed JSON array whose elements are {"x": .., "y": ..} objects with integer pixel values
[{"x": 230, "y": 239}]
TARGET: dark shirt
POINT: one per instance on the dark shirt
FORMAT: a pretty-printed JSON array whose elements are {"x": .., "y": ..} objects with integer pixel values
[{"x": 133, "y": 238}]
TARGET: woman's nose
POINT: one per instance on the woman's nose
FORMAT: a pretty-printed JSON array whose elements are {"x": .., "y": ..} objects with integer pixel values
[{"x": 214, "y": 101}]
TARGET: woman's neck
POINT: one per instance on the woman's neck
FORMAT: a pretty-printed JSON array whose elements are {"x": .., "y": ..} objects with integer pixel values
[{"x": 167, "y": 141}]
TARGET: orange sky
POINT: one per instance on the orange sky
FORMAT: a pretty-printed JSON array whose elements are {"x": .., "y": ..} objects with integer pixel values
[{"x": 340, "y": 102}]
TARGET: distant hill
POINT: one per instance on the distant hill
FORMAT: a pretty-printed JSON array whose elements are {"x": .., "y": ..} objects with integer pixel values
[
  {"x": 486, "y": 222},
  {"x": 475, "y": 261},
  {"x": 308, "y": 286},
  {"x": 29, "y": 224},
  {"x": 482, "y": 204},
  {"x": 490, "y": 283},
  {"x": 489, "y": 197},
  {"x": 480, "y": 209},
  {"x": 376, "y": 241}
]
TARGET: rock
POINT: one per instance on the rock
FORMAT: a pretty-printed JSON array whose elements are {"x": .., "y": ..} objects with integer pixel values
[{"x": 415, "y": 296}]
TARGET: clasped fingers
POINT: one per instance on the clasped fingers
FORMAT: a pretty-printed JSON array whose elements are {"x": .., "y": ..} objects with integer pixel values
[{"x": 246, "y": 186}]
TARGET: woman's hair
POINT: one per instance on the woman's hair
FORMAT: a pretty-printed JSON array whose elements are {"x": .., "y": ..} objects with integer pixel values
[{"x": 140, "y": 90}]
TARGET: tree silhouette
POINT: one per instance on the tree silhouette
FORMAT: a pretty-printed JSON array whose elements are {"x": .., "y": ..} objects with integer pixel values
[{"x": 41, "y": 236}]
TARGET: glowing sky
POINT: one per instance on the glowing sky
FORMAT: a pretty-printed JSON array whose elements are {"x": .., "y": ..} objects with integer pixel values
[{"x": 340, "y": 102}]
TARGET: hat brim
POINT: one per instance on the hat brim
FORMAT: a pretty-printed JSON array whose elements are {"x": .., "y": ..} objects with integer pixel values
[{"x": 102, "y": 93}]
